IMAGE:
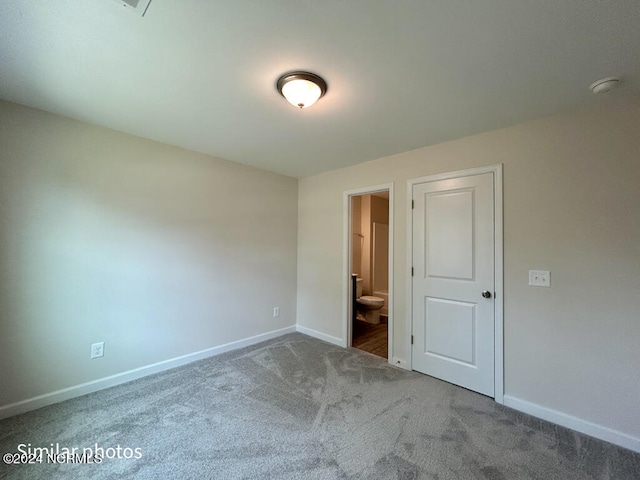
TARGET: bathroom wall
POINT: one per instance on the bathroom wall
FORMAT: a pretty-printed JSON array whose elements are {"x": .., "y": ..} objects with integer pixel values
[
  {"x": 365, "y": 229},
  {"x": 368, "y": 210},
  {"x": 380, "y": 259},
  {"x": 380, "y": 245},
  {"x": 357, "y": 240},
  {"x": 157, "y": 251},
  {"x": 379, "y": 209}
]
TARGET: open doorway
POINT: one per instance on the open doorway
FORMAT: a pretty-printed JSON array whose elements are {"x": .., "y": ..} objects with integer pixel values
[{"x": 369, "y": 263}]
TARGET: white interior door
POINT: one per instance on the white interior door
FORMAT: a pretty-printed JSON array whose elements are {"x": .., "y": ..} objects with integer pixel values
[{"x": 453, "y": 281}]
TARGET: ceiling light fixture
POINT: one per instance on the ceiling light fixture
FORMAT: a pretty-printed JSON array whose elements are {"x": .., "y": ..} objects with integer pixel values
[
  {"x": 605, "y": 85},
  {"x": 301, "y": 89}
]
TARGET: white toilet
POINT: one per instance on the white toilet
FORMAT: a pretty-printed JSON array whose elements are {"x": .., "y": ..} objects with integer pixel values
[{"x": 368, "y": 306}]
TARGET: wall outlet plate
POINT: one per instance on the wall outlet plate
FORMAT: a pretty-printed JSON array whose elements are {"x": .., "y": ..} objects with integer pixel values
[
  {"x": 540, "y": 278},
  {"x": 97, "y": 350},
  {"x": 276, "y": 311}
]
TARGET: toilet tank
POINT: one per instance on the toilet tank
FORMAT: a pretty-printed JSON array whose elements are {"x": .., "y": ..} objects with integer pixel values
[{"x": 358, "y": 287}]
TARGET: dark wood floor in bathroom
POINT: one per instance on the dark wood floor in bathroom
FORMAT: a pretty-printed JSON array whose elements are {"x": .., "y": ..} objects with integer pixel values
[{"x": 371, "y": 338}]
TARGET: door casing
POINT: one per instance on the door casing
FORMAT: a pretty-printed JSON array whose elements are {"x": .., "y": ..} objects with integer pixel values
[
  {"x": 496, "y": 170},
  {"x": 346, "y": 262}
]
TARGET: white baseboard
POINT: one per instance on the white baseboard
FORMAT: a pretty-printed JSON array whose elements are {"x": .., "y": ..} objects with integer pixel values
[
  {"x": 398, "y": 362},
  {"x": 124, "y": 377},
  {"x": 321, "y": 336},
  {"x": 598, "y": 431}
]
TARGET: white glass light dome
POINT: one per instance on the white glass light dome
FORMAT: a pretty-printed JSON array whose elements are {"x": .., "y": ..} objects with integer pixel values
[{"x": 301, "y": 89}]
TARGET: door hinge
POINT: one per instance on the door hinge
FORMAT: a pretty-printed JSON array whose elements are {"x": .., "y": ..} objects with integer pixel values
[
  {"x": 412, "y": 271},
  {"x": 413, "y": 204},
  {"x": 411, "y": 339}
]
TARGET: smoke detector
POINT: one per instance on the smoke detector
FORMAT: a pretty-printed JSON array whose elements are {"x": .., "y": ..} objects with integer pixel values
[
  {"x": 139, "y": 7},
  {"x": 605, "y": 85}
]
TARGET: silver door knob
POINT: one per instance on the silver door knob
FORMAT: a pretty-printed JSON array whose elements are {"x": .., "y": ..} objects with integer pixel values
[{"x": 486, "y": 294}]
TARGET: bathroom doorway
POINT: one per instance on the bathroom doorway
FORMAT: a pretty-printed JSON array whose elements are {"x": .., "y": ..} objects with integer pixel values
[{"x": 369, "y": 221}]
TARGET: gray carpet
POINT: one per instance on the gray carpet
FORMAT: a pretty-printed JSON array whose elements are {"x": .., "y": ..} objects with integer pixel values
[{"x": 299, "y": 408}]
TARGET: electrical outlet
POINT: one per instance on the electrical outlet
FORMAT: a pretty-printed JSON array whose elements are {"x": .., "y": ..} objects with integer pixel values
[
  {"x": 276, "y": 311},
  {"x": 540, "y": 278},
  {"x": 97, "y": 350}
]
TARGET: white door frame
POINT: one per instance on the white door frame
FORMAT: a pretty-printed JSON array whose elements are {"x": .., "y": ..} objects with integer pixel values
[
  {"x": 346, "y": 262},
  {"x": 499, "y": 285}
]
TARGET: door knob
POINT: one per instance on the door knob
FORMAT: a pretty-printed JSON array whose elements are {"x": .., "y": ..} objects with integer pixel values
[{"x": 486, "y": 294}]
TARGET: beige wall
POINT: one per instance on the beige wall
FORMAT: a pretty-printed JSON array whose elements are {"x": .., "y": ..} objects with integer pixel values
[
  {"x": 571, "y": 206},
  {"x": 366, "y": 210},
  {"x": 374, "y": 210},
  {"x": 357, "y": 241},
  {"x": 379, "y": 253},
  {"x": 365, "y": 229},
  {"x": 155, "y": 250},
  {"x": 379, "y": 210}
]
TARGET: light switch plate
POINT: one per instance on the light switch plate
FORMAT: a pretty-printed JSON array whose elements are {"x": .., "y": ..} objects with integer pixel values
[{"x": 540, "y": 278}]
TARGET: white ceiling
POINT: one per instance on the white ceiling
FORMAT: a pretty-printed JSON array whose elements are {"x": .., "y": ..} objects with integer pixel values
[{"x": 402, "y": 74}]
